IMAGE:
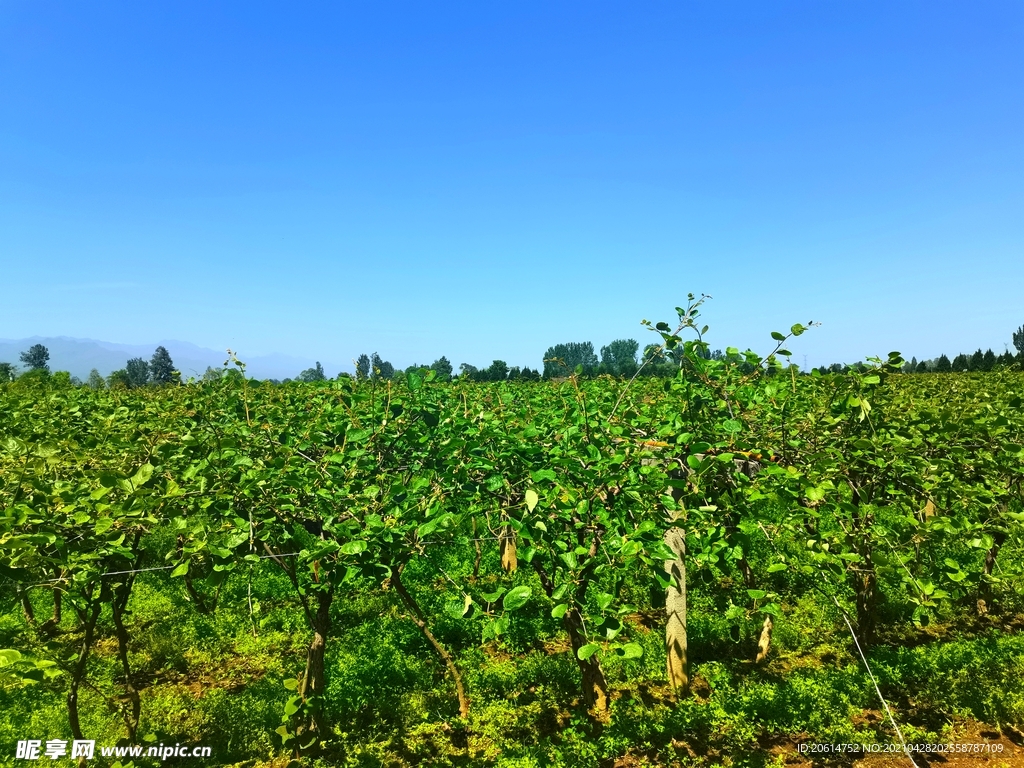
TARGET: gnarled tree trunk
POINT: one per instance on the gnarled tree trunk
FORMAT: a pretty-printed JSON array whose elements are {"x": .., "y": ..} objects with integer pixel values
[
  {"x": 595, "y": 686},
  {"x": 419, "y": 618},
  {"x": 119, "y": 605},
  {"x": 865, "y": 580},
  {"x": 313, "y": 680},
  {"x": 985, "y": 588},
  {"x": 88, "y": 615}
]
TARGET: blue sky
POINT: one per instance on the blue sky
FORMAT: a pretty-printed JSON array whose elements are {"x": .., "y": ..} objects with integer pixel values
[{"x": 484, "y": 180}]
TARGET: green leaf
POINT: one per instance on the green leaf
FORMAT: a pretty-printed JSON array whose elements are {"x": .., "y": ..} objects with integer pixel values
[
  {"x": 776, "y": 567},
  {"x": 611, "y": 627},
  {"x": 778, "y": 336},
  {"x": 353, "y": 547},
  {"x": 414, "y": 380},
  {"x": 458, "y": 609},
  {"x": 492, "y": 597},
  {"x": 756, "y": 594},
  {"x": 142, "y": 475},
  {"x": 587, "y": 651},
  {"x": 531, "y": 499},
  {"x": 516, "y": 598},
  {"x": 559, "y": 610},
  {"x": 103, "y": 525},
  {"x": 181, "y": 570},
  {"x": 325, "y": 549},
  {"x": 427, "y": 528},
  {"x": 630, "y": 651}
]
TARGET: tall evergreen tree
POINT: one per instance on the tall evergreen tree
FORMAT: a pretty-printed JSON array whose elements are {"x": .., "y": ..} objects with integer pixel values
[
  {"x": 362, "y": 367},
  {"x": 942, "y": 365},
  {"x": 95, "y": 380},
  {"x": 988, "y": 362},
  {"x": 161, "y": 367},
  {"x": 976, "y": 361},
  {"x": 36, "y": 358},
  {"x": 443, "y": 368},
  {"x": 922, "y": 367},
  {"x": 1018, "y": 340},
  {"x": 961, "y": 363},
  {"x": 8, "y": 372},
  {"x": 137, "y": 371}
]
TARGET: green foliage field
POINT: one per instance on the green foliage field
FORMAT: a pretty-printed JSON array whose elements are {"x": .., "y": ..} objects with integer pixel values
[{"x": 415, "y": 572}]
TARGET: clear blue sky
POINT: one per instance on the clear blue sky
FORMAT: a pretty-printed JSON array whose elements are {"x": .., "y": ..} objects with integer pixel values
[{"x": 482, "y": 180}]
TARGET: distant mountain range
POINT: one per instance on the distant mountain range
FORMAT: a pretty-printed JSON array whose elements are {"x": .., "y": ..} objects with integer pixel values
[{"x": 80, "y": 356}]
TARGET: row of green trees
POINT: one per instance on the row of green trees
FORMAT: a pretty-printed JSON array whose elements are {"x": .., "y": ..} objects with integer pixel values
[
  {"x": 979, "y": 361},
  {"x": 137, "y": 372},
  {"x": 619, "y": 358},
  {"x": 159, "y": 371}
]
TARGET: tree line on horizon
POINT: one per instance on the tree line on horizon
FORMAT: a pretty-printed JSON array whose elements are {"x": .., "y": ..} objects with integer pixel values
[
  {"x": 620, "y": 358},
  {"x": 138, "y": 372}
]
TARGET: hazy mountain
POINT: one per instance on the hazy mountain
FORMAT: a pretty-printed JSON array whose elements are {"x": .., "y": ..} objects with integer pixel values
[{"x": 79, "y": 356}]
